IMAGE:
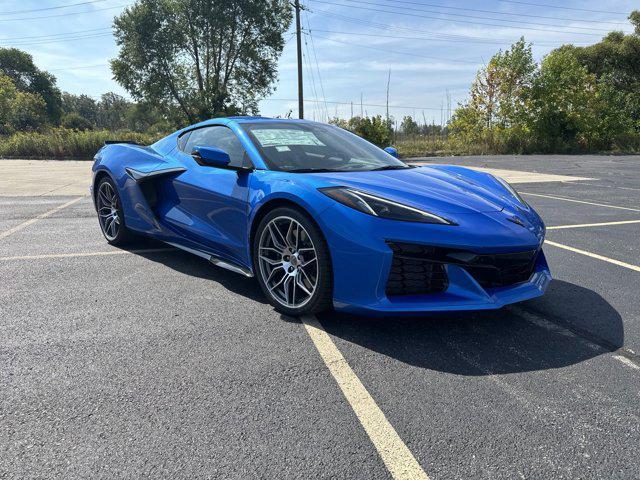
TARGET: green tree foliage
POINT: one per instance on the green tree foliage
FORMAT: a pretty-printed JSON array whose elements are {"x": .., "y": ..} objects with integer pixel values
[
  {"x": 375, "y": 129},
  {"x": 563, "y": 97},
  {"x": 499, "y": 97},
  {"x": 75, "y": 121},
  {"x": 27, "y": 78},
  {"x": 200, "y": 58},
  {"x": 82, "y": 105},
  {"x": 7, "y": 96},
  {"x": 578, "y": 98},
  {"x": 20, "y": 110},
  {"x": 28, "y": 112},
  {"x": 409, "y": 126}
]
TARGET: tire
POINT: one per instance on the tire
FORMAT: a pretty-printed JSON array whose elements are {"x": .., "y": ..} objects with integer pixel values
[
  {"x": 110, "y": 213},
  {"x": 286, "y": 256}
]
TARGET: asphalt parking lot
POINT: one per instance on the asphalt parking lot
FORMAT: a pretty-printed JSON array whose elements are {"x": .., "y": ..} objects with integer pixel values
[{"x": 150, "y": 362}]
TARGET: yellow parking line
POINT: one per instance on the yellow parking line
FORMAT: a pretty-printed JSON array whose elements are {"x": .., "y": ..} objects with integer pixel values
[
  {"x": 580, "y": 201},
  {"x": 85, "y": 254},
  {"x": 583, "y": 225},
  {"x": 594, "y": 255},
  {"x": 396, "y": 456},
  {"x": 33, "y": 220}
]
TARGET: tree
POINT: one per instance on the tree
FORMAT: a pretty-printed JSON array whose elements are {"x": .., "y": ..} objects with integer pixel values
[
  {"x": 563, "y": 96},
  {"x": 409, "y": 126},
  {"x": 615, "y": 61},
  {"x": 28, "y": 112},
  {"x": 112, "y": 111},
  {"x": 7, "y": 96},
  {"x": 82, "y": 105},
  {"x": 26, "y": 77},
  {"x": 200, "y": 57},
  {"x": 75, "y": 121},
  {"x": 376, "y": 129}
]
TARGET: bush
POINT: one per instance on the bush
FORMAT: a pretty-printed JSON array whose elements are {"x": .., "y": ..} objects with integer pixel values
[
  {"x": 61, "y": 143},
  {"x": 375, "y": 129},
  {"x": 75, "y": 121}
]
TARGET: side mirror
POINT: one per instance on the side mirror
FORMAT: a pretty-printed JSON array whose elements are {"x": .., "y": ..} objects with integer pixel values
[
  {"x": 391, "y": 151},
  {"x": 211, "y": 156}
]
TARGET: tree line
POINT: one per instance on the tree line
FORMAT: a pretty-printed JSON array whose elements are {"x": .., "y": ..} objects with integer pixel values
[
  {"x": 575, "y": 99},
  {"x": 182, "y": 61}
]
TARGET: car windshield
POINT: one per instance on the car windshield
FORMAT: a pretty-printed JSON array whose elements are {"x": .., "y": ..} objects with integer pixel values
[{"x": 313, "y": 147}]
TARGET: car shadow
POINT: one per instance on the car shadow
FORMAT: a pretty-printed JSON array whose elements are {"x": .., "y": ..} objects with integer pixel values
[
  {"x": 192, "y": 265},
  {"x": 568, "y": 325},
  {"x": 530, "y": 336}
]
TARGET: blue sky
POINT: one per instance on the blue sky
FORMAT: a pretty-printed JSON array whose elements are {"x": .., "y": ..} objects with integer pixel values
[{"x": 433, "y": 47}]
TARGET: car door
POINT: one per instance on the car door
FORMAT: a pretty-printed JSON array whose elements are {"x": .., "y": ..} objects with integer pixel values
[{"x": 206, "y": 204}]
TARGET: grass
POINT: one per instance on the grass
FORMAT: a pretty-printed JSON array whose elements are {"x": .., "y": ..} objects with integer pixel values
[
  {"x": 63, "y": 143},
  {"x": 430, "y": 146}
]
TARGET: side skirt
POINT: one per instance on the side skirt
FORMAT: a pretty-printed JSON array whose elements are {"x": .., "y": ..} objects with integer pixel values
[{"x": 215, "y": 260}]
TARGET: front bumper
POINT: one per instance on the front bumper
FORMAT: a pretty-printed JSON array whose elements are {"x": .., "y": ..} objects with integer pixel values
[{"x": 362, "y": 262}]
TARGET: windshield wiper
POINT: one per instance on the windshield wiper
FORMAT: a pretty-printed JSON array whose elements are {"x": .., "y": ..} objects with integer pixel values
[
  {"x": 312, "y": 170},
  {"x": 390, "y": 167}
]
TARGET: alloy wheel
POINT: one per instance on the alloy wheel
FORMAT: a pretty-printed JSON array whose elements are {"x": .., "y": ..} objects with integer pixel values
[
  {"x": 108, "y": 211},
  {"x": 288, "y": 262}
]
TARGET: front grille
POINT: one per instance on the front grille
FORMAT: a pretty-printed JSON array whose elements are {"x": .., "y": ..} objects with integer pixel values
[
  {"x": 412, "y": 275},
  {"x": 419, "y": 269},
  {"x": 501, "y": 270}
]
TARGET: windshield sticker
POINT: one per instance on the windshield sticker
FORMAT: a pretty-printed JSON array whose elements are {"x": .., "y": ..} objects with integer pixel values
[
  {"x": 282, "y": 137},
  {"x": 283, "y": 148}
]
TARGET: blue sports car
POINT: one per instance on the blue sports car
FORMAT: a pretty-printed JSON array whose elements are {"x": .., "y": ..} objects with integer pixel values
[{"x": 323, "y": 218}]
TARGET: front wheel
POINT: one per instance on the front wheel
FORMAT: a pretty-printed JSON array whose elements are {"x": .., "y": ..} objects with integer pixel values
[{"x": 292, "y": 262}]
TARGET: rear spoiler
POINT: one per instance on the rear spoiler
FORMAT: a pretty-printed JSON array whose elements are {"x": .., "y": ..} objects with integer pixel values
[{"x": 130, "y": 142}]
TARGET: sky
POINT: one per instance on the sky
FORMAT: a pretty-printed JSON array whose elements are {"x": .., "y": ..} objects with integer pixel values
[{"x": 433, "y": 48}]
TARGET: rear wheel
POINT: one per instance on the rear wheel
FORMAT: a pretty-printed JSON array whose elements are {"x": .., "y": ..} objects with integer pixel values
[
  {"x": 110, "y": 214},
  {"x": 292, "y": 262}
]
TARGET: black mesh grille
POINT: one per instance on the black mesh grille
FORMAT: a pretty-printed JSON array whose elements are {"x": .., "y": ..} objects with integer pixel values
[
  {"x": 412, "y": 275},
  {"x": 420, "y": 269}
]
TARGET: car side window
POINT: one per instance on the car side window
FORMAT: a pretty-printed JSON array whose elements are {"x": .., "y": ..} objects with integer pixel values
[{"x": 220, "y": 137}]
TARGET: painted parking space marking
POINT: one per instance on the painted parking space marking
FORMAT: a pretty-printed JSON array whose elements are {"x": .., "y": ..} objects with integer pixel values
[
  {"x": 394, "y": 453},
  {"x": 580, "y": 201},
  {"x": 33, "y": 220},
  {"x": 585, "y": 225},
  {"x": 594, "y": 255},
  {"x": 85, "y": 254},
  {"x": 624, "y": 360}
]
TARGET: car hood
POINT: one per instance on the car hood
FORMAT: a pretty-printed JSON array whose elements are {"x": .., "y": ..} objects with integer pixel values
[{"x": 438, "y": 189}]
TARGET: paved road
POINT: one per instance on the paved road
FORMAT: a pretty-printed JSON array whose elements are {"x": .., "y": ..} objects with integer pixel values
[{"x": 150, "y": 362}]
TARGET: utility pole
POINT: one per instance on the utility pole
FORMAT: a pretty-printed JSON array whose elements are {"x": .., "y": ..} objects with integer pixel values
[
  {"x": 296, "y": 5},
  {"x": 388, "y": 82}
]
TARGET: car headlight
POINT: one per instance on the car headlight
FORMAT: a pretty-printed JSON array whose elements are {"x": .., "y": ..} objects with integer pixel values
[
  {"x": 510, "y": 189},
  {"x": 381, "y": 207}
]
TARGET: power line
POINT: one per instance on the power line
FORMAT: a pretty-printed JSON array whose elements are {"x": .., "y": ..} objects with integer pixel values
[
  {"x": 470, "y": 62},
  {"x": 397, "y": 51},
  {"x": 63, "y": 14},
  {"x": 475, "y": 16},
  {"x": 561, "y": 8},
  {"x": 457, "y": 20},
  {"x": 315, "y": 56},
  {"x": 56, "y": 40},
  {"x": 312, "y": 100},
  {"x": 505, "y": 13},
  {"x": 438, "y": 36},
  {"x": 78, "y": 67},
  {"x": 55, "y": 34},
  {"x": 50, "y": 8}
]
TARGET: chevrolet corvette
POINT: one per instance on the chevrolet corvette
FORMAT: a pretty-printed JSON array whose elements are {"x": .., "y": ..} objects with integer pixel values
[{"x": 324, "y": 219}]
